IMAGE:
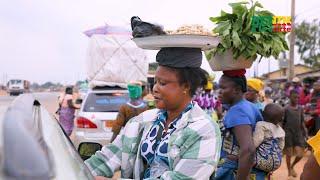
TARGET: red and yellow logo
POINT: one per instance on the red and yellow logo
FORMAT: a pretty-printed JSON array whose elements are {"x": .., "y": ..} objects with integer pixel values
[{"x": 271, "y": 24}]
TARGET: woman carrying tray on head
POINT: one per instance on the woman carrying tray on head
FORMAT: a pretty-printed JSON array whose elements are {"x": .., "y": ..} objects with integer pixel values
[
  {"x": 237, "y": 154},
  {"x": 178, "y": 140}
]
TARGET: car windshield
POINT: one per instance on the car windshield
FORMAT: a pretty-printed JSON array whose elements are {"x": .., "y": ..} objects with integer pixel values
[
  {"x": 105, "y": 102},
  {"x": 15, "y": 81}
]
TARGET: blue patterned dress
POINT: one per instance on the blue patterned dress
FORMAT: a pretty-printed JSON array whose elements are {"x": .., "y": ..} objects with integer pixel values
[{"x": 154, "y": 148}]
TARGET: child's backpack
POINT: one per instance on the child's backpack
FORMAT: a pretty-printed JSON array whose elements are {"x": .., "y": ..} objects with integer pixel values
[{"x": 268, "y": 155}]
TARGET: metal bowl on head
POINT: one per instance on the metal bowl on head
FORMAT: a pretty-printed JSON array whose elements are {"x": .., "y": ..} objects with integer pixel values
[{"x": 177, "y": 40}]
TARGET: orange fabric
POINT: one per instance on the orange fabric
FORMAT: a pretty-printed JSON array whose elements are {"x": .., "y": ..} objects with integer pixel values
[{"x": 314, "y": 142}]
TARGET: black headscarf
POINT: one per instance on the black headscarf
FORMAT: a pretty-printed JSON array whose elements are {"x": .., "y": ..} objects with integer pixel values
[
  {"x": 180, "y": 57},
  {"x": 69, "y": 90}
]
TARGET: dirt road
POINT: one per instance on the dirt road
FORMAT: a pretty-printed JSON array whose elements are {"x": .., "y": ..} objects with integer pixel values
[{"x": 282, "y": 172}]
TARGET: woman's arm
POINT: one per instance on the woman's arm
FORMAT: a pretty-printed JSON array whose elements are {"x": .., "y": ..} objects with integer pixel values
[
  {"x": 107, "y": 161},
  {"x": 243, "y": 134},
  {"x": 303, "y": 125},
  {"x": 118, "y": 123},
  {"x": 311, "y": 170},
  {"x": 72, "y": 105}
]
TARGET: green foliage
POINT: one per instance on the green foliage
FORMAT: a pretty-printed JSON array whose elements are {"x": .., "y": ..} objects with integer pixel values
[
  {"x": 308, "y": 41},
  {"x": 234, "y": 29},
  {"x": 153, "y": 66}
]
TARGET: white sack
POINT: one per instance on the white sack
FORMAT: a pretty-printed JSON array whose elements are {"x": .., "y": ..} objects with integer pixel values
[{"x": 115, "y": 60}]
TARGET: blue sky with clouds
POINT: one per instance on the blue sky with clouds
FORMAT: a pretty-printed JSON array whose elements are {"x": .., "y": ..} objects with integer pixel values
[{"x": 43, "y": 40}]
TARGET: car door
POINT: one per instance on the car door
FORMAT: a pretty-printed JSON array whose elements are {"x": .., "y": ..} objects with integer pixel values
[{"x": 34, "y": 145}]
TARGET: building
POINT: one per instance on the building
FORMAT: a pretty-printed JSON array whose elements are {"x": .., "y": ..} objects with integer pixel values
[
  {"x": 282, "y": 74},
  {"x": 311, "y": 74}
]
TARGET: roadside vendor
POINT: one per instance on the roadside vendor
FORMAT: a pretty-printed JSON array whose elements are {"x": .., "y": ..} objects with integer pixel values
[
  {"x": 178, "y": 140},
  {"x": 132, "y": 108}
]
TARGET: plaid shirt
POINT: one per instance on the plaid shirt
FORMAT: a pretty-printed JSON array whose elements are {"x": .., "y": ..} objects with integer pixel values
[{"x": 194, "y": 148}]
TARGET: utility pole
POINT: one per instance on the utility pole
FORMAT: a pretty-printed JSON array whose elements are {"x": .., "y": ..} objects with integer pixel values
[
  {"x": 292, "y": 42},
  {"x": 268, "y": 66}
]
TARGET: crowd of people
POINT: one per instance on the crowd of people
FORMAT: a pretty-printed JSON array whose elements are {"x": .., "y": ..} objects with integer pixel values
[{"x": 237, "y": 129}]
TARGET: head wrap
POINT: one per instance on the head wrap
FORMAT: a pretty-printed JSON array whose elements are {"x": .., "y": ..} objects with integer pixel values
[
  {"x": 180, "y": 57},
  {"x": 296, "y": 80},
  {"x": 255, "y": 84},
  {"x": 69, "y": 90},
  {"x": 238, "y": 77},
  {"x": 209, "y": 85},
  {"x": 235, "y": 73},
  {"x": 135, "y": 91}
]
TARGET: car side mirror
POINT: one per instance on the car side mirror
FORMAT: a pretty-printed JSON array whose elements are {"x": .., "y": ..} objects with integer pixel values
[{"x": 87, "y": 149}]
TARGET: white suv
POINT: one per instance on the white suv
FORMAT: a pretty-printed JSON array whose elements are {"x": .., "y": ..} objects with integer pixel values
[{"x": 95, "y": 118}]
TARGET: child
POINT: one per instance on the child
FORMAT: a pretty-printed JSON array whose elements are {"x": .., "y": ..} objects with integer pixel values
[
  {"x": 268, "y": 138},
  {"x": 295, "y": 132}
]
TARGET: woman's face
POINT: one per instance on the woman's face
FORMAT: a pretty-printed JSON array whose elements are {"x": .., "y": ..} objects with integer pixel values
[
  {"x": 316, "y": 86},
  {"x": 251, "y": 95},
  {"x": 227, "y": 90},
  {"x": 167, "y": 91}
]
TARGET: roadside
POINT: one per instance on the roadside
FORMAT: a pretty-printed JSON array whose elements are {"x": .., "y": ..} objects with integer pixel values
[
  {"x": 3, "y": 93},
  {"x": 282, "y": 172}
]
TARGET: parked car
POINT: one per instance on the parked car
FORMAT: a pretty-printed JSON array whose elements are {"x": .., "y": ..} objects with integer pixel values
[
  {"x": 95, "y": 118},
  {"x": 33, "y": 146}
]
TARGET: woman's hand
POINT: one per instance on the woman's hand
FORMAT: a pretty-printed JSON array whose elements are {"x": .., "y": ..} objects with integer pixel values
[
  {"x": 243, "y": 134},
  {"x": 101, "y": 178}
]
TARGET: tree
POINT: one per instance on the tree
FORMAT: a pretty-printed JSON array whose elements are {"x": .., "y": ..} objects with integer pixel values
[
  {"x": 35, "y": 86},
  {"x": 47, "y": 85},
  {"x": 153, "y": 66},
  {"x": 308, "y": 41}
]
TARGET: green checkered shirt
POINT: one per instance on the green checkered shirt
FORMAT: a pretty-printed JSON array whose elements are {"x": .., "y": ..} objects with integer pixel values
[{"x": 193, "y": 149}]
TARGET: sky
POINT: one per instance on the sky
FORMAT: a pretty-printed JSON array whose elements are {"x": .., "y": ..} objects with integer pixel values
[{"x": 43, "y": 40}]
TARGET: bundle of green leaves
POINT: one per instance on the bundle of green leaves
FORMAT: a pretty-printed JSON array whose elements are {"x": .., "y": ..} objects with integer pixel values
[{"x": 235, "y": 32}]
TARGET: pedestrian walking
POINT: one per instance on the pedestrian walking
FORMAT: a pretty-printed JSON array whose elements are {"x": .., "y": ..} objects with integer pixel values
[
  {"x": 66, "y": 110},
  {"x": 296, "y": 132}
]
